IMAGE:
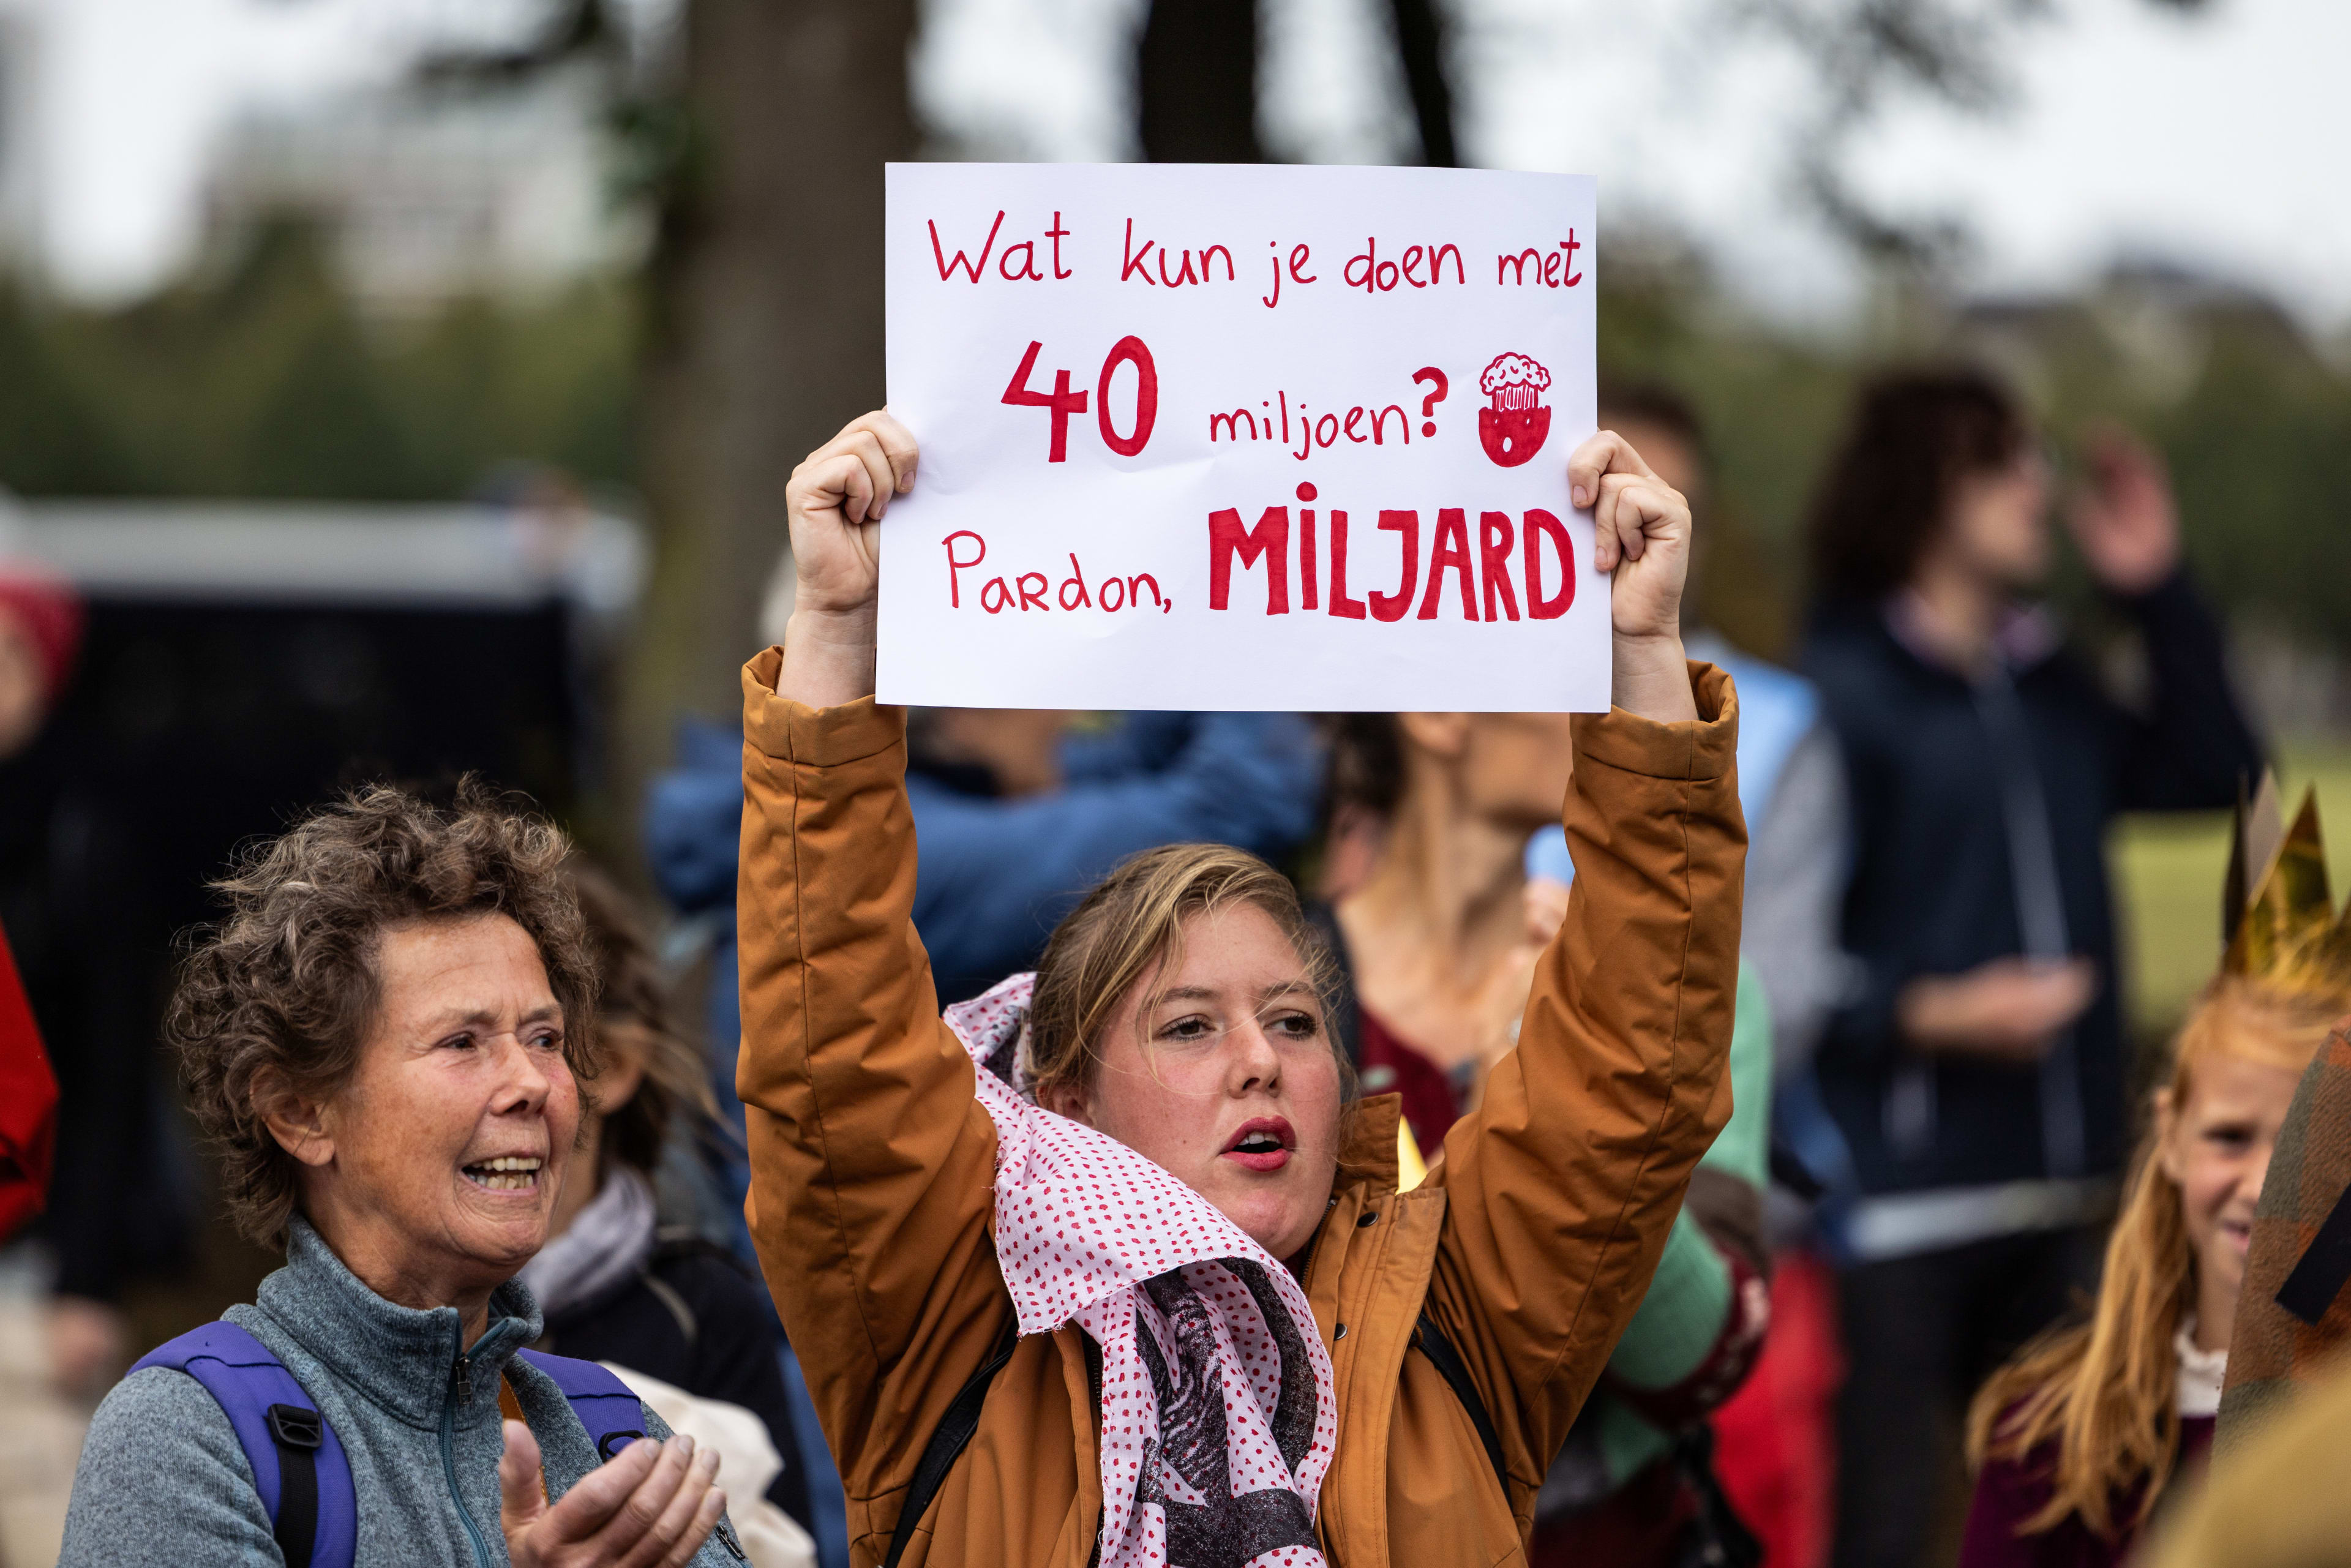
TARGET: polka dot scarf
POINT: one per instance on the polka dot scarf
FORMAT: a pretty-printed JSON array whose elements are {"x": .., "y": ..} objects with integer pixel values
[{"x": 1218, "y": 1415}]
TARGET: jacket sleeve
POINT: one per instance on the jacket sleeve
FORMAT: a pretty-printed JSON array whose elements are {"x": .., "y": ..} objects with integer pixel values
[
  {"x": 2193, "y": 748},
  {"x": 1563, "y": 1185},
  {"x": 1700, "y": 1327},
  {"x": 871, "y": 1161}
]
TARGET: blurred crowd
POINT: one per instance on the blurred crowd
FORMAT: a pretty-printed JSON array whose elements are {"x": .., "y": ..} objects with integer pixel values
[{"x": 1960, "y": 1281}]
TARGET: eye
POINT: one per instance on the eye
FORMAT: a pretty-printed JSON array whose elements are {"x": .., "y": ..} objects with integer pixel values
[
  {"x": 547, "y": 1038},
  {"x": 461, "y": 1040},
  {"x": 2229, "y": 1137},
  {"x": 1190, "y": 1029},
  {"x": 1299, "y": 1026}
]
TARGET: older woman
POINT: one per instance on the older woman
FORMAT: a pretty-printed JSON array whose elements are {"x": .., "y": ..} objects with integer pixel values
[
  {"x": 386, "y": 1037},
  {"x": 1114, "y": 1268}
]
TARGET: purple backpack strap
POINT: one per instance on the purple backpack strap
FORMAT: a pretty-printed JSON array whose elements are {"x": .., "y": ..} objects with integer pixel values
[
  {"x": 299, "y": 1465},
  {"x": 603, "y": 1403}
]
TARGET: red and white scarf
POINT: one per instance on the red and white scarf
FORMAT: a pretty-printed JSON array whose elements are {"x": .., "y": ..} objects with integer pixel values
[{"x": 1218, "y": 1415}]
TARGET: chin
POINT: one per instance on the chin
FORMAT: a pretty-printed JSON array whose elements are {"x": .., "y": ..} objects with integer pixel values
[
  {"x": 1272, "y": 1225},
  {"x": 503, "y": 1244}
]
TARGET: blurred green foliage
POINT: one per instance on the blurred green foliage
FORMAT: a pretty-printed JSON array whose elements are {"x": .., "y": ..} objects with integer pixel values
[{"x": 263, "y": 377}]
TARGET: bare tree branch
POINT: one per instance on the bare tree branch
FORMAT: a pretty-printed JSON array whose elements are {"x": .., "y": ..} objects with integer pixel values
[{"x": 1864, "y": 53}]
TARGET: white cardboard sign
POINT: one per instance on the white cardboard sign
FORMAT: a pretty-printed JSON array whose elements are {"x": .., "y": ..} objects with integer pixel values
[{"x": 1233, "y": 437}]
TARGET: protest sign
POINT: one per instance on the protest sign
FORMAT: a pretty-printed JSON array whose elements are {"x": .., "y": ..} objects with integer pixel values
[{"x": 1240, "y": 436}]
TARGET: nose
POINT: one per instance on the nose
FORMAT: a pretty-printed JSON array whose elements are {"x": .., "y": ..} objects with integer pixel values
[
  {"x": 1253, "y": 1065},
  {"x": 524, "y": 1080}
]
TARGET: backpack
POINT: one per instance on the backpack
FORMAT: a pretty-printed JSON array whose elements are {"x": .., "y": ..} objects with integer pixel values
[{"x": 299, "y": 1465}]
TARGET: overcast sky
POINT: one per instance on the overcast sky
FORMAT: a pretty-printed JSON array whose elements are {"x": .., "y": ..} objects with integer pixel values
[{"x": 2213, "y": 141}]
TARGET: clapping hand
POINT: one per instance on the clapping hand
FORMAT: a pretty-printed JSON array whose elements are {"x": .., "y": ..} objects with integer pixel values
[{"x": 652, "y": 1505}]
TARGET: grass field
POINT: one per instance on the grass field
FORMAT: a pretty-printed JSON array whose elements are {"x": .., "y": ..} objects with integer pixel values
[{"x": 2167, "y": 873}]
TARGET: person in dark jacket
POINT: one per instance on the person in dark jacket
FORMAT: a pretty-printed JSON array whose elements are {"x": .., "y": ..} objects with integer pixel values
[
  {"x": 615, "y": 1284},
  {"x": 1976, "y": 1072}
]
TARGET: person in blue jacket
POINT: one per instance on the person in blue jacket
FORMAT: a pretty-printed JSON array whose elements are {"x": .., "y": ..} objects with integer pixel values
[{"x": 1017, "y": 813}]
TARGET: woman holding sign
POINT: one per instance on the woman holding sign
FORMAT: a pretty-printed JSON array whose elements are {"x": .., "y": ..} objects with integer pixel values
[{"x": 1189, "y": 1320}]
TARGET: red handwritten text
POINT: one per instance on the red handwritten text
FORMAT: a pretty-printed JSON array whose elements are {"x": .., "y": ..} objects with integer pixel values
[
  {"x": 1367, "y": 272},
  {"x": 1016, "y": 264},
  {"x": 1028, "y": 590},
  {"x": 1272, "y": 421},
  {"x": 1480, "y": 578},
  {"x": 1137, "y": 263},
  {"x": 1551, "y": 269}
]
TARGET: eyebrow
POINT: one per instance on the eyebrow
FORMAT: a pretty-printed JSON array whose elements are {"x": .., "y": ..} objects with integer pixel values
[
  {"x": 1210, "y": 993},
  {"x": 478, "y": 1017}
]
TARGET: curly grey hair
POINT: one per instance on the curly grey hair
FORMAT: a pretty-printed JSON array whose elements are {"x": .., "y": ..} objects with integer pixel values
[{"x": 284, "y": 988}]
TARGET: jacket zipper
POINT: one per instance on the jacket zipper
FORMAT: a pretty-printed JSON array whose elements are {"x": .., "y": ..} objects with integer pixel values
[{"x": 461, "y": 1390}]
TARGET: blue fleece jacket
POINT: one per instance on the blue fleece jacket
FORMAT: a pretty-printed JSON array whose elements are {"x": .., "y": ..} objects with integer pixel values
[{"x": 162, "y": 1479}]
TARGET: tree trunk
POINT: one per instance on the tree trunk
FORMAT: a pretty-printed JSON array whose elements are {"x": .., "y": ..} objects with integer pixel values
[
  {"x": 1196, "y": 82},
  {"x": 1420, "y": 44},
  {"x": 765, "y": 331}
]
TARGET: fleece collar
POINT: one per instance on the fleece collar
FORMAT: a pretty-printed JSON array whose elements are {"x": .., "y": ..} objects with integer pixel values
[{"x": 401, "y": 1359}]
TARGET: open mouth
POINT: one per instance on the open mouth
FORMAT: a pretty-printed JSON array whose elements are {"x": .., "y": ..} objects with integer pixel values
[
  {"x": 508, "y": 1172},
  {"x": 1263, "y": 1144}
]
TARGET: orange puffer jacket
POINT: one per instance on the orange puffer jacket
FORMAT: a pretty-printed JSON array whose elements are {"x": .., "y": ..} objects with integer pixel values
[{"x": 1531, "y": 1244}]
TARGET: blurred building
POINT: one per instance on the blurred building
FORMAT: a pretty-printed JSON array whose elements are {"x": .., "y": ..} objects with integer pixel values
[
  {"x": 250, "y": 659},
  {"x": 432, "y": 190},
  {"x": 2150, "y": 327}
]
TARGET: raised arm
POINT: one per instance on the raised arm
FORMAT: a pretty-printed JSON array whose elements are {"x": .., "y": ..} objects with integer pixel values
[
  {"x": 871, "y": 1161},
  {"x": 1564, "y": 1183},
  {"x": 2192, "y": 750}
]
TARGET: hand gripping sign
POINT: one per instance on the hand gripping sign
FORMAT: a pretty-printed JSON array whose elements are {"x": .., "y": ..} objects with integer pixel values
[{"x": 1195, "y": 436}]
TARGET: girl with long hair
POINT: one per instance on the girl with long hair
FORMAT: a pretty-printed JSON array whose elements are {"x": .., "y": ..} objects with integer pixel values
[{"x": 2079, "y": 1438}]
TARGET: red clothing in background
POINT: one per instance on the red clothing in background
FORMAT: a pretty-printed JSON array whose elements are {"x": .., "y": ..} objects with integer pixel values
[
  {"x": 1775, "y": 1439},
  {"x": 1386, "y": 1065},
  {"x": 29, "y": 1105},
  {"x": 2010, "y": 1492}
]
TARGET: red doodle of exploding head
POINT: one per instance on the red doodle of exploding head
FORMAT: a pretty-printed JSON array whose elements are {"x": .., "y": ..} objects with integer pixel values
[{"x": 1513, "y": 426}]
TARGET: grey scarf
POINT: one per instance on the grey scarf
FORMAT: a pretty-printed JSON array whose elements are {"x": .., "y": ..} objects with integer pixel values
[{"x": 607, "y": 1242}]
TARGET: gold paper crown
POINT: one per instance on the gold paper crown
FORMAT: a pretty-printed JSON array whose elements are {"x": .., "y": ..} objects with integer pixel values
[{"x": 2283, "y": 931}]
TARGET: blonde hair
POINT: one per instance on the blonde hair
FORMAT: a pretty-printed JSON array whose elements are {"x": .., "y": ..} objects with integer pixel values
[
  {"x": 1130, "y": 928},
  {"x": 2105, "y": 1392}
]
